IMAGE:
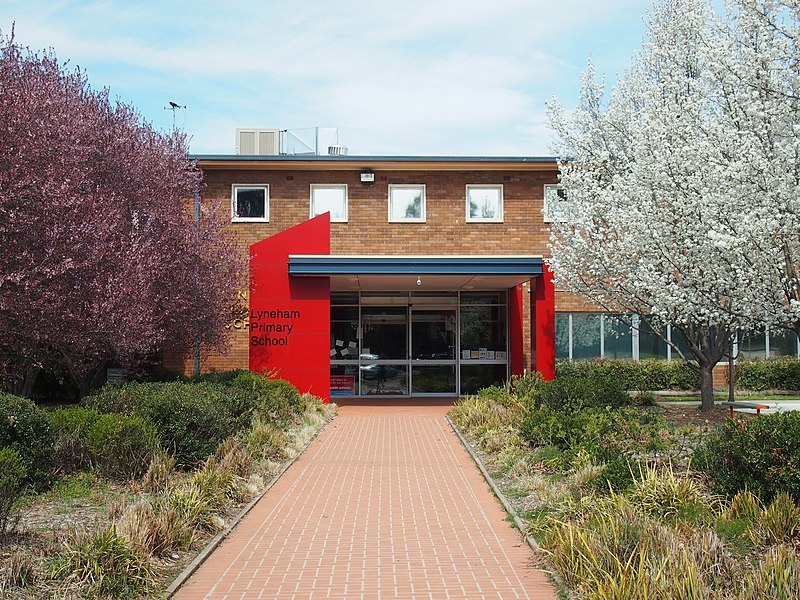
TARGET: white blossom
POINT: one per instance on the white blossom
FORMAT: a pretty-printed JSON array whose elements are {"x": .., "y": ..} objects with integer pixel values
[{"x": 683, "y": 180}]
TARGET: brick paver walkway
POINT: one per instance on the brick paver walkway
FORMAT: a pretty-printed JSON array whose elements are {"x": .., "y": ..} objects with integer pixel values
[{"x": 384, "y": 504}]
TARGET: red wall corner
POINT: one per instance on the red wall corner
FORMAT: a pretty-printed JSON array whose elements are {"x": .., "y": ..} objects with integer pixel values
[
  {"x": 289, "y": 320},
  {"x": 515, "y": 330},
  {"x": 543, "y": 320}
]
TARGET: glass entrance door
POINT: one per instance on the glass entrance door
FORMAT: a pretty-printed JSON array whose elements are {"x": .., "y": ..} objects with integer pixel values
[{"x": 433, "y": 351}]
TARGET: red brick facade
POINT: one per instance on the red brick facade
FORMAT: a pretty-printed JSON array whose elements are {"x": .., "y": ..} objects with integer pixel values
[{"x": 368, "y": 230}]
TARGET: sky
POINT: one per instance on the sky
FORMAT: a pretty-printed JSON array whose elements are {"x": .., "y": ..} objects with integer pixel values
[{"x": 398, "y": 77}]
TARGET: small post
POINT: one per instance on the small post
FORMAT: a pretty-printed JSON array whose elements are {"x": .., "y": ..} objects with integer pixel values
[{"x": 731, "y": 374}]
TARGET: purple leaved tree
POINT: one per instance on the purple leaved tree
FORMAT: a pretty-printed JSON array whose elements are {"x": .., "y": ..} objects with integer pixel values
[{"x": 101, "y": 258}]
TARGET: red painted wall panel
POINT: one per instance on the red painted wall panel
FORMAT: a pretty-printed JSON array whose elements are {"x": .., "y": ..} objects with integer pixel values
[
  {"x": 543, "y": 317},
  {"x": 289, "y": 331},
  {"x": 515, "y": 331}
]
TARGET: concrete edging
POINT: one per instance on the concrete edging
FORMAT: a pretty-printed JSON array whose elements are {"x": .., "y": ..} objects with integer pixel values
[
  {"x": 212, "y": 545},
  {"x": 520, "y": 525}
]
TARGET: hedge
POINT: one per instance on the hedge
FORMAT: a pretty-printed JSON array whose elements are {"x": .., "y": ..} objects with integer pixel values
[{"x": 650, "y": 374}]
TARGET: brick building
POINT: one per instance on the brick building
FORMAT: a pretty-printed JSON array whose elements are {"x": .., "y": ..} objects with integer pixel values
[
  {"x": 425, "y": 279},
  {"x": 391, "y": 276}
]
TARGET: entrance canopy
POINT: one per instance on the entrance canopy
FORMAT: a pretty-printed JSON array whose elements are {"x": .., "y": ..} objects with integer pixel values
[{"x": 422, "y": 273}]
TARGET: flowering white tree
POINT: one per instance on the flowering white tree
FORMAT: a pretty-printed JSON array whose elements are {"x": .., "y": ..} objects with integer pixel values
[{"x": 672, "y": 213}]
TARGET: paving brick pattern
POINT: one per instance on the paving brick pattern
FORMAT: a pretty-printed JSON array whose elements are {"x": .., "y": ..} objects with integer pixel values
[{"x": 384, "y": 504}]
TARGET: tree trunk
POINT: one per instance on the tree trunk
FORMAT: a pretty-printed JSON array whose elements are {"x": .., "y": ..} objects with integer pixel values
[
  {"x": 86, "y": 381},
  {"x": 707, "y": 386},
  {"x": 22, "y": 384}
]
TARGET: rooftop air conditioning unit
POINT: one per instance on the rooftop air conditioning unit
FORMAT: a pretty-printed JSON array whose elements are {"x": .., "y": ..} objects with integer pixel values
[
  {"x": 337, "y": 150},
  {"x": 258, "y": 142}
]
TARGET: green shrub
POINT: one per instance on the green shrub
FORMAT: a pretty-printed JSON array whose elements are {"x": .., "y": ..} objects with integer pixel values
[
  {"x": 771, "y": 374},
  {"x": 26, "y": 428},
  {"x": 70, "y": 426},
  {"x": 650, "y": 374},
  {"x": 191, "y": 418},
  {"x": 12, "y": 480},
  {"x": 761, "y": 454},
  {"x": 604, "y": 434},
  {"x": 121, "y": 446},
  {"x": 616, "y": 474},
  {"x": 163, "y": 374},
  {"x": 595, "y": 390},
  {"x": 274, "y": 399},
  {"x": 224, "y": 377}
]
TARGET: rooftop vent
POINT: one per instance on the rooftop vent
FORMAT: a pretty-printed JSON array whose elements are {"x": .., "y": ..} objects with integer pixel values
[
  {"x": 337, "y": 150},
  {"x": 258, "y": 142}
]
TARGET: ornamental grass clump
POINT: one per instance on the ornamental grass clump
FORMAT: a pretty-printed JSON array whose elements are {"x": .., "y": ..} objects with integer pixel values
[
  {"x": 21, "y": 571},
  {"x": 104, "y": 563},
  {"x": 12, "y": 482},
  {"x": 661, "y": 493},
  {"x": 776, "y": 577},
  {"x": 265, "y": 440},
  {"x": 160, "y": 473},
  {"x": 778, "y": 523},
  {"x": 142, "y": 528}
]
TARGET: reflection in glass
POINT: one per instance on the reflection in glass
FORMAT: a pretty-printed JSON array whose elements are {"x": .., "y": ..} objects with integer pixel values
[
  {"x": 384, "y": 334},
  {"x": 585, "y": 336},
  {"x": 384, "y": 379},
  {"x": 433, "y": 379},
  {"x": 782, "y": 342},
  {"x": 562, "y": 335},
  {"x": 483, "y": 327},
  {"x": 618, "y": 338},
  {"x": 406, "y": 204},
  {"x": 651, "y": 344},
  {"x": 433, "y": 334},
  {"x": 476, "y": 377}
]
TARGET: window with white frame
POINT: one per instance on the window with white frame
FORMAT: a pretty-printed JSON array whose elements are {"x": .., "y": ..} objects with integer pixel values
[
  {"x": 329, "y": 198},
  {"x": 484, "y": 203},
  {"x": 406, "y": 203},
  {"x": 250, "y": 203},
  {"x": 555, "y": 204}
]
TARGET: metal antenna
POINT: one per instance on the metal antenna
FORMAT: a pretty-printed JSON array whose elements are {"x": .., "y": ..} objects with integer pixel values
[{"x": 173, "y": 106}]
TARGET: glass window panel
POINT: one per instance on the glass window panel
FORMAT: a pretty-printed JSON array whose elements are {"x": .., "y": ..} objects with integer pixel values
[
  {"x": 651, "y": 345},
  {"x": 562, "y": 335},
  {"x": 385, "y": 332},
  {"x": 782, "y": 342},
  {"x": 618, "y": 338},
  {"x": 484, "y": 203},
  {"x": 680, "y": 341},
  {"x": 384, "y": 379},
  {"x": 477, "y": 377},
  {"x": 344, "y": 340},
  {"x": 407, "y": 203},
  {"x": 483, "y": 298},
  {"x": 433, "y": 379},
  {"x": 433, "y": 334},
  {"x": 753, "y": 345},
  {"x": 344, "y": 313},
  {"x": 250, "y": 203},
  {"x": 483, "y": 327},
  {"x": 556, "y": 204},
  {"x": 329, "y": 198},
  {"x": 344, "y": 380},
  {"x": 344, "y": 298},
  {"x": 585, "y": 335}
]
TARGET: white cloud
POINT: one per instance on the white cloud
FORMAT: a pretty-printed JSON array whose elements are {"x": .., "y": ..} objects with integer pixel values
[{"x": 407, "y": 76}]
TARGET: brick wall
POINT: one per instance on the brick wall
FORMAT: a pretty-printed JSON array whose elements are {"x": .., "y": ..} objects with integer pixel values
[{"x": 368, "y": 231}]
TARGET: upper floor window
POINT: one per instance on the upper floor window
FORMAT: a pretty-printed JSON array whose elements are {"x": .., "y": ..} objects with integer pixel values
[
  {"x": 329, "y": 198},
  {"x": 406, "y": 203},
  {"x": 250, "y": 203},
  {"x": 484, "y": 203},
  {"x": 555, "y": 204}
]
